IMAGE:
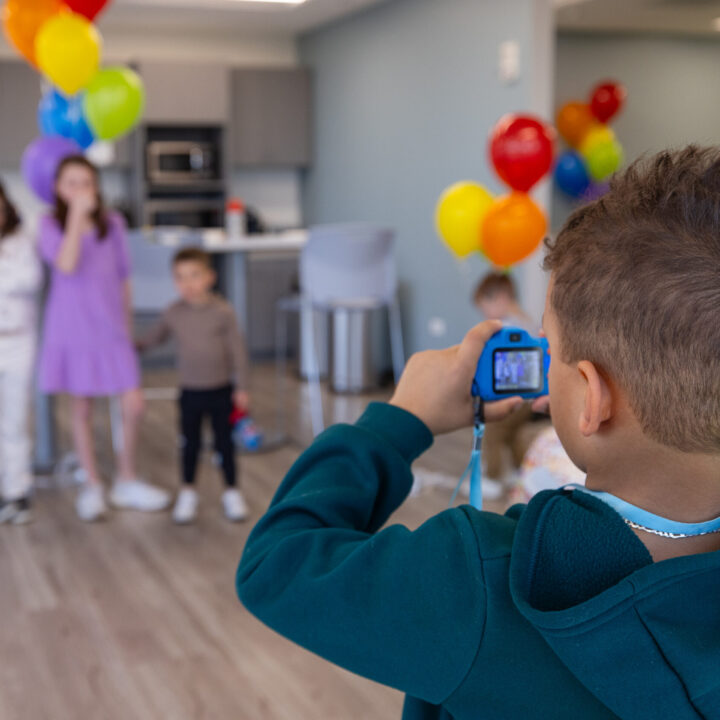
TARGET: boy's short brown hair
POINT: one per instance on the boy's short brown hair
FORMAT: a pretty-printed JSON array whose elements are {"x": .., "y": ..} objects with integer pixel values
[
  {"x": 193, "y": 254},
  {"x": 493, "y": 283},
  {"x": 636, "y": 290}
]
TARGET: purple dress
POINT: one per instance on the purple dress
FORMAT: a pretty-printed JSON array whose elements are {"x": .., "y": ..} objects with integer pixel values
[{"x": 86, "y": 348}]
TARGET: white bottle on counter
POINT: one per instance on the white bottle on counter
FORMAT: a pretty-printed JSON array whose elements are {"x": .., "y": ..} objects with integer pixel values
[{"x": 235, "y": 219}]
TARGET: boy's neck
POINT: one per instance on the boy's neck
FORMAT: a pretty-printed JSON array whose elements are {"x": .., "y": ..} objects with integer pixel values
[
  {"x": 200, "y": 300},
  {"x": 679, "y": 486}
]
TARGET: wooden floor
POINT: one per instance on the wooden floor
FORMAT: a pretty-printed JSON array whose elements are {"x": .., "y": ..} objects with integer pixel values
[{"x": 137, "y": 617}]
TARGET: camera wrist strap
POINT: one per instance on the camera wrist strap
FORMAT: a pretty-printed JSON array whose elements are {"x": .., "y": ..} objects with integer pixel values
[{"x": 474, "y": 467}]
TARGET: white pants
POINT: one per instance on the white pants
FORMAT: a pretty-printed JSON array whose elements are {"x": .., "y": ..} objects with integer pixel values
[{"x": 17, "y": 366}]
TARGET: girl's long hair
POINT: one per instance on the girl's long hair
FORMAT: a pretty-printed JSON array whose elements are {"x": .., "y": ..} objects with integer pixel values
[
  {"x": 99, "y": 216},
  {"x": 12, "y": 219}
]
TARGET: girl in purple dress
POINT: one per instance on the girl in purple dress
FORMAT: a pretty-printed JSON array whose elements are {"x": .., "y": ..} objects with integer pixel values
[{"x": 87, "y": 348}]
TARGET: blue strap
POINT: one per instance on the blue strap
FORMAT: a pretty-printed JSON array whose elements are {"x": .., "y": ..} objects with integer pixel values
[
  {"x": 634, "y": 514},
  {"x": 474, "y": 469}
]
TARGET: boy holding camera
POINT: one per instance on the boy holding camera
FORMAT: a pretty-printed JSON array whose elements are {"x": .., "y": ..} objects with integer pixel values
[{"x": 592, "y": 604}]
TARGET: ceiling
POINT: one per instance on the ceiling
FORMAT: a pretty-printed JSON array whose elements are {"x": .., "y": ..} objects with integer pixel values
[
  {"x": 688, "y": 17},
  {"x": 267, "y": 18},
  {"x": 693, "y": 17}
]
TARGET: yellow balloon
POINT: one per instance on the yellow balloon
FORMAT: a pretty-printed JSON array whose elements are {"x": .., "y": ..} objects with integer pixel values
[
  {"x": 459, "y": 217},
  {"x": 67, "y": 49},
  {"x": 597, "y": 135}
]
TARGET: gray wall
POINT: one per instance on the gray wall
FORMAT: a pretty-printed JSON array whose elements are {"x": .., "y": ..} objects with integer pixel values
[
  {"x": 673, "y": 93},
  {"x": 406, "y": 93}
]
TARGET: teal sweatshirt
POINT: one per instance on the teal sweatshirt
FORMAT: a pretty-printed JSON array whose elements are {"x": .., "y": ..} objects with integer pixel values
[{"x": 553, "y": 611}]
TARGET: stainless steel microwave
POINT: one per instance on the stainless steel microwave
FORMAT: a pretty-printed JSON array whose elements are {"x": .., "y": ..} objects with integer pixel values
[{"x": 182, "y": 162}]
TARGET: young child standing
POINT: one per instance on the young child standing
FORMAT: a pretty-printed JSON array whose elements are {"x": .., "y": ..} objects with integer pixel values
[
  {"x": 596, "y": 603},
  {"x": 20, "y": 278},
  {"x": 87, "y": 348},
  {"x": 212, "y": 364}
]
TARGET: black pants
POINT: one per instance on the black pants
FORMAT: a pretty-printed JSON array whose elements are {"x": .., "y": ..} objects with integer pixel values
[{"x": 194, "y": 405}]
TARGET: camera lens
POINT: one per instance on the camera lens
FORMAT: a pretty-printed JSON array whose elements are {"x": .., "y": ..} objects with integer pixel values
[{"x": 514, "y": 337}]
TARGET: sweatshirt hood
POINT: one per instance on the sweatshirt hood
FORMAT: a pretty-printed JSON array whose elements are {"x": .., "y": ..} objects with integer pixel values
[{"x": 643, "y": 637}]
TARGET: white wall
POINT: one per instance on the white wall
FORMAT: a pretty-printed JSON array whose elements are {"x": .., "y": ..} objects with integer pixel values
[{"x": 673, "y": 98}]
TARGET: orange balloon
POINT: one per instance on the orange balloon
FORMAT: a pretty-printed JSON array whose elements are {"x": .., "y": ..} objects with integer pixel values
[
  {"x": 513, "y": 229},
  {"x": 22, "y": 19},
  {"x": 573, "y": 121}
]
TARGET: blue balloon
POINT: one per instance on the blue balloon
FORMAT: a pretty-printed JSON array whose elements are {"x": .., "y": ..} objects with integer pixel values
[
  {"x": 58, "y": 115},
  {"x": 571, "y": 175}
]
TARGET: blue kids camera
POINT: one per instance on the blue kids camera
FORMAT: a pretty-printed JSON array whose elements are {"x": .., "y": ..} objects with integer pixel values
[{"x": 512, "y": 363}]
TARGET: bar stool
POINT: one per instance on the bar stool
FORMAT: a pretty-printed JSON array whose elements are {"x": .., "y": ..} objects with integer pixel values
[{"x": 341, "y": 267}]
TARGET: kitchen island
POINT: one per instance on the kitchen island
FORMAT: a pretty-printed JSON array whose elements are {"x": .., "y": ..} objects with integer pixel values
[{"x": 153, "y": 289}]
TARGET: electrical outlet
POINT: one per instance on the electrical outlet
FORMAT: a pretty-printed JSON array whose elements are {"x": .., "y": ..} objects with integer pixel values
[
  {"x": 509, "y": 62},
  {"x": 437, "y": 327}
]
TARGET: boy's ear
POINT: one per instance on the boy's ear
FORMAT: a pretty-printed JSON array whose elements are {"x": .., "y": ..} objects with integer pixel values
[{"x": 598, "y": 399}]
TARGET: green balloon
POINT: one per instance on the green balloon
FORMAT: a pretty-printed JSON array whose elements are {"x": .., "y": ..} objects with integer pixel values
[
  {"x": 113, "y": 102},
  {"x": 604, "y": 158}
]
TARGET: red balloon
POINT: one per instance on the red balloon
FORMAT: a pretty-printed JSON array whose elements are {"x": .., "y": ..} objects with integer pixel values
[
  {"x": 607, "y": 100},
  {"x": 521, "y": 149},
  {"x": 88, "y": 8}
]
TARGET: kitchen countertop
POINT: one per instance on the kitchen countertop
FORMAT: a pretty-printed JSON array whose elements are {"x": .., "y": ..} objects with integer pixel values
[{"x": 216, "y": 240}]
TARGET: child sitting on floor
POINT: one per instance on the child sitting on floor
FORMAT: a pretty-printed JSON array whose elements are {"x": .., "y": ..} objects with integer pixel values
[
  {"x": 212, "y": 364},
  {"x": 496, "y": 298},
  {"x": 592, "y": 603}
]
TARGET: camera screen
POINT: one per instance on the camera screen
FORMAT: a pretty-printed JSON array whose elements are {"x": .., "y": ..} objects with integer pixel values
[{"x": 518, "y": 370}]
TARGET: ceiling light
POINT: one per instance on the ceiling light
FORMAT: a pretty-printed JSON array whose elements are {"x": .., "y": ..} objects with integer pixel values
[{"x": 284, "y": 2}]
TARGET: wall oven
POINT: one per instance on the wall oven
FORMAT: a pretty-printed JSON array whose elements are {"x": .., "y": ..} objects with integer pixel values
[{"x": 182, "y": 212}]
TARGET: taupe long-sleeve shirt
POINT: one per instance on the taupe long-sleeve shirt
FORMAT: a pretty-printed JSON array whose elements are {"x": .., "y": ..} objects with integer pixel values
[{"x": 211, "y": 348}]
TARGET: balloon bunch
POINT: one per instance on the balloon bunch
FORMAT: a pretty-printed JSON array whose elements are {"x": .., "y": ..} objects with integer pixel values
[
  {"x": 86, "y": 103},
  {"x": 595, "y": 152},
  {"x": 508, "y": 229}
]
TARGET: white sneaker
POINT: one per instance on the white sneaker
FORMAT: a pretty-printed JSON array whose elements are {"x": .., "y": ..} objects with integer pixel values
[
  {"x": 138, "y": 495},
  {"x": 89, "y": 503},
  {"x": 185, "y": 510},
  {"x": 234, "y": 505},
  {"x": 16, "y": 512}
]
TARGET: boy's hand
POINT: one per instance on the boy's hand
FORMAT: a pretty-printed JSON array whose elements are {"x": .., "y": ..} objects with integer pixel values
[
  {"x": 541, "y": 404},
  {"x": 241, "y": 399},
  {"x": 435, "y": 385}
]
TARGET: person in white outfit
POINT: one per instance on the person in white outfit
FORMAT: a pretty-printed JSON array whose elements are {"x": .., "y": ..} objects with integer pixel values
[{"x": 20, "y": 278}]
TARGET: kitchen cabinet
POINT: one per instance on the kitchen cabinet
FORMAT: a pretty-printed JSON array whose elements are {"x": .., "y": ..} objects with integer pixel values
[
  {"x": 271, "y": 118},
  {"x": 179, "y": 94},
  {"x": 19, "y": 98},
  {"x": 271, "y": 276},
  {"x": 124, "y": 152}
]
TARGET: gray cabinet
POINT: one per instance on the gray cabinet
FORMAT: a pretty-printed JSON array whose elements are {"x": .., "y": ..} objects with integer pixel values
[
  {"x": 271, "y": 118},
  {"x": 270, "y": 277},
  {"x": 182, "y": 94},
  {"x": 19, "y": 98},
  {"x": 124, "y": 156}
]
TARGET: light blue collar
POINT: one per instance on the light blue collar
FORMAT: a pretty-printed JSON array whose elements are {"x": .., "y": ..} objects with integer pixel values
[{"x": 646, "y": 521}]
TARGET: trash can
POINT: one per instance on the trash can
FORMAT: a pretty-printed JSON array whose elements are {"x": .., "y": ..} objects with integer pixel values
[
  {"x": 313, "y": 325},
  {"x": 352, "y": 366}
]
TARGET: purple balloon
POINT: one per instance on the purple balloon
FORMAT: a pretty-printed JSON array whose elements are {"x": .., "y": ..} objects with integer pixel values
[
  {"x": 40, "y": 161},
  {"x": 595, "y": 191}
]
